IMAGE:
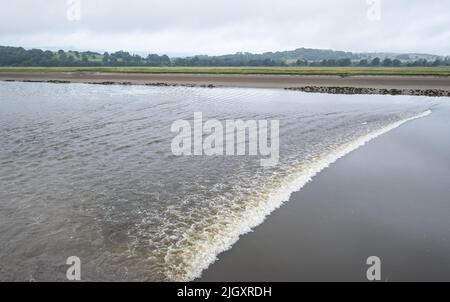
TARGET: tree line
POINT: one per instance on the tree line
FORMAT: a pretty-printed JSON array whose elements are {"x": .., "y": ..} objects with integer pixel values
[
  {"x": 18, "y": 56},
  {"x": 387, "y": 62}
]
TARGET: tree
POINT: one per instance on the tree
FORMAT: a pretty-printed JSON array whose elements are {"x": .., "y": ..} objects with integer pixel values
[
  {"x": 63, "y": 56},
  {"x": 376, "y": 62},
  {"x": 301, "y": 62},
  {"x": 105, "y": 58},
  {"x": 165, "y": 60},
  {"x": 396, "y": 62},
  {"x": 363, "y": 62},
  {"x": 70, "y": 60},
  {"x": 437, "y": 62},
  {"x": 344, "y": 62},
  {"x": 387, "y": 62}
]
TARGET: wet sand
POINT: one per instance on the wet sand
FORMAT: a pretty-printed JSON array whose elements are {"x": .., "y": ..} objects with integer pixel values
[
  {"x": 405, "y": 84},
  {"x": 389, "y": 198}
]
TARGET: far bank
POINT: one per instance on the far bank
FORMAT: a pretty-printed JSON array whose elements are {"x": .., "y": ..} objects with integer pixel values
[{"x": 355, "y": 84}]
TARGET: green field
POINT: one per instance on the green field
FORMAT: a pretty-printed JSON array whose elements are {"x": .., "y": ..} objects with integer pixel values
[{"x": 337, "y": 71}]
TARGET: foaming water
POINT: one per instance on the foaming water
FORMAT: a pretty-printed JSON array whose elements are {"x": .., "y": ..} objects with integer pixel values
[
  {"x": 88, "y": 171},
  {"x": 198, "y": 255}
]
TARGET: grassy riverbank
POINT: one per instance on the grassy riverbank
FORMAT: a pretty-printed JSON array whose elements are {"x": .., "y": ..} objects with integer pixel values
[{"x": 330, "y": 71}]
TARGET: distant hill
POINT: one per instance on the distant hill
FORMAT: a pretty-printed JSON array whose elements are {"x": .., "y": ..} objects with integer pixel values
[
  {"x": 314, "y": 57},
  {"x": 290, "y": 56},
  {"x": 399, "y": 56},
  {"x": 311, "y": 54}
]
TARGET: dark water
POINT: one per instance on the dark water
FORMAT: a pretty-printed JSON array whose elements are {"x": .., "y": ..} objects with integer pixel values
[
  {"x": 88, "y": 171},
  {"x": 389, "y": 199}
]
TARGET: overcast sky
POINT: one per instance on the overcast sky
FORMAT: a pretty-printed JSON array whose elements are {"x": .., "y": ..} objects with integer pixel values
[{"x": 182, "y": 27}]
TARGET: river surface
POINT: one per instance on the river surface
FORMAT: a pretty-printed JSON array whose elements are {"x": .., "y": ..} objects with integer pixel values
[{"x": 88, "y": 171}]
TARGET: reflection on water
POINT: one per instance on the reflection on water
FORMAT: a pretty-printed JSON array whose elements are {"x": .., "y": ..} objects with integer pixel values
[{"x": 87, "y": 171}]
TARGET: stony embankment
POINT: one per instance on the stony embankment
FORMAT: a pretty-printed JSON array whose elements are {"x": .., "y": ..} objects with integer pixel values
[{"x": 357, "y": 90}]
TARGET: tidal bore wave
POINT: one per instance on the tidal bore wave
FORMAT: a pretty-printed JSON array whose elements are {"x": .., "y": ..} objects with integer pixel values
[
  {"x": 198, "y": 250},
  {"x": 87, "y": 171}
]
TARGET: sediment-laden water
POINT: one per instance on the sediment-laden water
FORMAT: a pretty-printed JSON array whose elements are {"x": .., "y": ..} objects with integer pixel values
[{"x": 87, "y": 171}]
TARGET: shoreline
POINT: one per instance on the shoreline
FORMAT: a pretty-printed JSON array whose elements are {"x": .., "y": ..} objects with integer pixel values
[
  {"x": 384, "y": 85},
  {"x": 368, "y": 203}
]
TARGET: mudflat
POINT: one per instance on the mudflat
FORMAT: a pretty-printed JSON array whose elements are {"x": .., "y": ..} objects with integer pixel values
[{"x": 404, "y": 84}]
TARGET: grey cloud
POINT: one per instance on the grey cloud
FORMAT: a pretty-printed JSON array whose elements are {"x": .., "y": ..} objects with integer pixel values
[{"x": 220, "y": 26}]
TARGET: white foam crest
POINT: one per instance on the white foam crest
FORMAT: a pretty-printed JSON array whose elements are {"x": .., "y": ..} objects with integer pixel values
[{"x": 198, "y": 251}]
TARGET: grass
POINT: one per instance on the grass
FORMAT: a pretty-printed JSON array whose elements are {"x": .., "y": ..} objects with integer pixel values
[{"x": 337, "y": 71}]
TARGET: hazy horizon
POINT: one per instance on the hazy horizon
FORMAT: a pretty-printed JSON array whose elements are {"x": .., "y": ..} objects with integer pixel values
[
  {"x": 183, "y": 28},
  {"x": 175, "y": 55}
]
